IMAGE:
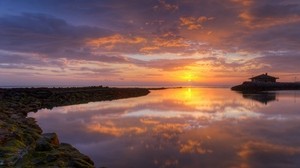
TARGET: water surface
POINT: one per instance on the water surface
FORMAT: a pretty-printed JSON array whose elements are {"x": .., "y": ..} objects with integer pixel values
[{"x": 184, "y": 128}]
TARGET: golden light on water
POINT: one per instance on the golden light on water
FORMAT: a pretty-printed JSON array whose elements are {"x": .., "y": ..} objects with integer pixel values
[{"x": 189, "y": 93}]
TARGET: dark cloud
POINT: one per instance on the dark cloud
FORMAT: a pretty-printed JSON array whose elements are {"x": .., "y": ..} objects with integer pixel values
[
  {"x": 275, "y": 9},
  {"x": 284, "y": 63},
  {"x": 44, "y": 34},
  {"x": 278, "y": 38}
]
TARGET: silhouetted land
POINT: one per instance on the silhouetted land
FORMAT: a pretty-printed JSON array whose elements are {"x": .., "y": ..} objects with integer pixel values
[
  {"x": 22, "y": 143},
  {"x": 266, "y": 86}
]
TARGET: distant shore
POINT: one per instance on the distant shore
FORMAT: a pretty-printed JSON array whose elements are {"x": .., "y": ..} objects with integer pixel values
[
  {"x": 266, "y": 86},
  {"x": 22, "y": 142}
]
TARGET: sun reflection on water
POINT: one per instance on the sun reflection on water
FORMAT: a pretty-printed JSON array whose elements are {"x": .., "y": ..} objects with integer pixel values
[{"x": 189, "y": 94}]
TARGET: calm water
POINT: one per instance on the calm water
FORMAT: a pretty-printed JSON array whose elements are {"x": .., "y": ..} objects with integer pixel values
[{"x": 184, "y": 128}]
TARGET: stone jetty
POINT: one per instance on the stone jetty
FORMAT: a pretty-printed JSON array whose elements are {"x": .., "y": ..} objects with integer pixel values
[
  {"x": 266, "y": 86},
  {"x": 23, "y": 143}
]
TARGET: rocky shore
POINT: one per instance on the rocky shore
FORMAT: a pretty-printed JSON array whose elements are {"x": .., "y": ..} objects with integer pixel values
[
  {"x": 266, "y": 86},
  {"x": 23, "y": 143}
]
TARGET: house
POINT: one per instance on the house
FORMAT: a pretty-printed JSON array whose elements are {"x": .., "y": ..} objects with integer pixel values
[{"x": 263, "y": 78}]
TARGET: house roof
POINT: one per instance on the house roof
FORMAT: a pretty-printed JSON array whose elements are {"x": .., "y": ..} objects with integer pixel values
[{"x": 264, "y": 76}]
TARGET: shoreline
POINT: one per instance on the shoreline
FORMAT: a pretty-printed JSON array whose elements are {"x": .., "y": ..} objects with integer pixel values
[
  {"x": 22, "y": 141},
  {"x": 266, "y": 86}
]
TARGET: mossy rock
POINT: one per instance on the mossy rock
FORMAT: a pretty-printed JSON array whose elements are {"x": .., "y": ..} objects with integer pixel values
[{"x": 12, "y": 145}]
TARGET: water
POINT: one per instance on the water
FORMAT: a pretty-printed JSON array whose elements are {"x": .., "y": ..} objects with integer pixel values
[{"x": 184, "y": 128}]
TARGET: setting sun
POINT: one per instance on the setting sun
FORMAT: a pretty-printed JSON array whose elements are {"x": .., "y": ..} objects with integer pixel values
[{"x": 189, "y": 77}]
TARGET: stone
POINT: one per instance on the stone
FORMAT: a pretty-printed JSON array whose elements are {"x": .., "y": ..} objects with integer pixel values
[
  {"x": 51, "y": 158},
  {"x": 52, "y": 138},
  {"x": 16, "y": 116},
  {"x": 43, "y": 145},
  {"x": 47, "y": 142}
]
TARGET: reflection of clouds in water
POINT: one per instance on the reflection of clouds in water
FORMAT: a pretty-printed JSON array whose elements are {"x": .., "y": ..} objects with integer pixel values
[
  {"x": 240, "y": 113},
  {"x": 113, "y": 130},
  {"x": 149, "y": 121},
  {"x": 192, "y": 146},
  {"x": 265, "y": 154},
  {"x": 181, "y": 128}
]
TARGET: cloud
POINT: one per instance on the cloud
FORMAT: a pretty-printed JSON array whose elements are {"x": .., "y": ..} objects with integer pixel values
[
  {"x": 163, "y": 43},
  {"x": 243, "y": 2},
  {"x": 262, "y": 14},
  {"x": 166, "y": 6},
  {"x": 114, "y": 41},
  {"x": 168, "y": 64},
  {"x": 45, "y": 35},
  {"x": 193, "y": 23},
  {"x": 241, "y": 35},
  {"x": 279, "y": 64},
  {"x": 167, "y": 42}
]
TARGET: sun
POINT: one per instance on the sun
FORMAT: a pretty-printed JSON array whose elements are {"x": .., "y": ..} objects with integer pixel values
[{"x": 189, "y": 77}]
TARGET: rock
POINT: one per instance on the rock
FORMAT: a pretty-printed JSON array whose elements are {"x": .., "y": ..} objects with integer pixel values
[
  {"x": 51, "y": 158},
  {"x": 41, "y": 94},
  {"x": 4, "y": 134},
  {"x": 47, "y": 142},
  {"x": 77, "y": 157},
  {"x": 52, "y": 138},
  {"x": 43, "y": 145},
  {"x": 16, "y": 116}
]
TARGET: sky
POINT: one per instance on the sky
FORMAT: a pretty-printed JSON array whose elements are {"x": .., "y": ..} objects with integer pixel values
[{"x": 153, "y": 42}]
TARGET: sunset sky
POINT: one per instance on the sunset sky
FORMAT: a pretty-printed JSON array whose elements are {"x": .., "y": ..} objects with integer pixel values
[{"x": 149, "y": 42}]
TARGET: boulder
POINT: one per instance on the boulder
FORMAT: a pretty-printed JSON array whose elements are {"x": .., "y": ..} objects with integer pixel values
[{"x": 47, "y": 142}]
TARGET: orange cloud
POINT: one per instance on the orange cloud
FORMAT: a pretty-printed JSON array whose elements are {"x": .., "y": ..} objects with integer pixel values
[
  {"x": 160, "y": 42},
  {"x": 194, "y": 23},
  {"x": 149, "y": 49},
  {"x": 165, "y": 43},
  {"x": 243, "y": 2},
  {"x": 110, "y": 42}
]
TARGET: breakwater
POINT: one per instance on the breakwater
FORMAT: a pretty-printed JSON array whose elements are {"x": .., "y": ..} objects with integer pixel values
[
  {"x": 23, "y": 143},
  {"x": 266, "y": 86}
]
